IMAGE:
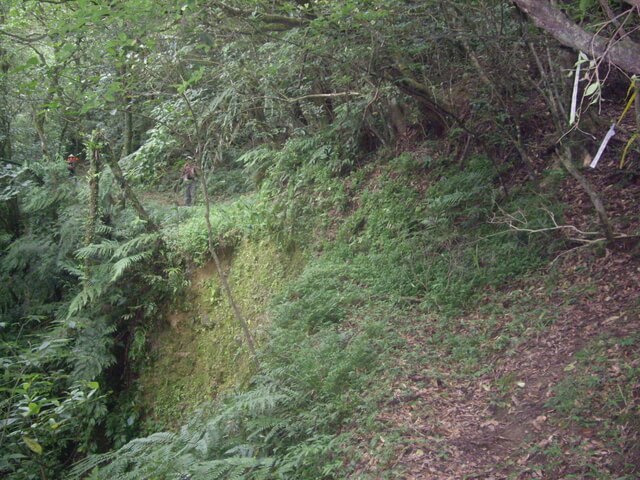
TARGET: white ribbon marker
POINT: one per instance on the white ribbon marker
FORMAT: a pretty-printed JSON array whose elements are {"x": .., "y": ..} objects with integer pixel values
[
  {"x": 603, "y": 145},
  {"x": 576, "y": 81}
]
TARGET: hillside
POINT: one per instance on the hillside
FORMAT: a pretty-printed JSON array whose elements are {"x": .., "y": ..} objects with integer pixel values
[{"x": 328, "y": 240}]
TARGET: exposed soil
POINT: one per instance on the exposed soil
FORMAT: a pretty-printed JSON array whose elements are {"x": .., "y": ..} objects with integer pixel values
[
  {"x": 465, "y": 428},
  {"x": 500, "y": 424}
]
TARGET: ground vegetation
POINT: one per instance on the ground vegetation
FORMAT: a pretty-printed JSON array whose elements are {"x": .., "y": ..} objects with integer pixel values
[{"x": 413, "y": 250}]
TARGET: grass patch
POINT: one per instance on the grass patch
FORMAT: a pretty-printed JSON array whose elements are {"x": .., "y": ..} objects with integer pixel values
[{"x": 598, "y": 401}]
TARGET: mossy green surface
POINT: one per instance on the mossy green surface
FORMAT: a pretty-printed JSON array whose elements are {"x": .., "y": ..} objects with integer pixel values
[{"x": 199, "y": 352}]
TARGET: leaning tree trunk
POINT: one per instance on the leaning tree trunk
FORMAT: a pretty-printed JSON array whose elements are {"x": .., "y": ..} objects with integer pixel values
[
  {"x": 607, "y": 228},
  {"x": 130, "y": 194},
  {"x": 200, "y": 157},
  {"x": 433, "y": 114},
  {"x": 550, "y": 94},
  {"x": 221, "y": 273},
  {"x": 623, "y": 53}
]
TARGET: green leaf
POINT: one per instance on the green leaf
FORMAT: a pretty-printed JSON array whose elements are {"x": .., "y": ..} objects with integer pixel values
[
  {"x": 93, "y": 385},
  {"x": 34, "y": 408},
  {"x": 33, "y": 445},
  {"x": 591, "y": 89}
]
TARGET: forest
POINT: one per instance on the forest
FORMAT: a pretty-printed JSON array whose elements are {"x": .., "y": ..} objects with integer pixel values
[{"x": 319, "y": 239}]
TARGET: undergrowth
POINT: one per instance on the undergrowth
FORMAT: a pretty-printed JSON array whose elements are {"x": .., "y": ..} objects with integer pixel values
[
  {"x": 415, "y": 239},
  {"x": 599, "y": 395}
]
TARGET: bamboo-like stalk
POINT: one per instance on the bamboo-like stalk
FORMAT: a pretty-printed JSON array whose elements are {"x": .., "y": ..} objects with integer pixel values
[
  {"x": 223, "y": 276},
  {"x": 200, "y": 149}
]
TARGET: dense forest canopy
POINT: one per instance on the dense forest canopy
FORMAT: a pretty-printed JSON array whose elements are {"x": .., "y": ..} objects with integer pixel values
[{"x": 392, "y": 159}]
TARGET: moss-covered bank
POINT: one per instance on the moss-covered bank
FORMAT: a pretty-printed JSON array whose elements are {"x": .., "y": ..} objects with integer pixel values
[{"x": 197, "y": 352}]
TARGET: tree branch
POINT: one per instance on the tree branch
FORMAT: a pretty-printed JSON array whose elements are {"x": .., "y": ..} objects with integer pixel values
[
  {"x": 283, "y": 20},
  {"x": 606, "y": 8},
  {"x": 624, "y": 53},
  {"x": 29, "y": 39},
  {"x": 319, "y": 95}
]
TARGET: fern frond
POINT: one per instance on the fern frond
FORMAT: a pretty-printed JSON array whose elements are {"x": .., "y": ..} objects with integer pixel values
[
  {"x": 41, "y": 199},
  {"x": 103, "y": 229},
  {"x": 87, "y": 464},
  {"x": 125, "y": 458},
  {"x": 92, "y": 348},
  {"x": 84, "y": 297},
  {"x": 260, "y": 400},
  {"x": 97, "y": 250},
  {"x": 124, "y": 264},
  {"x": 138, "y": 242},
  {"x": 232, "y": 468},
  {"x": 22, "y": 252},
  {"x": 266, "y": 426}
]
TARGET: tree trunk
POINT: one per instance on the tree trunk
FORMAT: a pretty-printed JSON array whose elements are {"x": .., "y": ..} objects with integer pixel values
[
  {"x": 94, "y": 185},
  {"x": 5, "y": 120},
  {"x": 10, "y": 214},
  {"x": 200, "y": 149},
  {"x": 130, "y": 194},
  {"x": 623, "y": 53},
  {"x": 433, "y": 114},
  {"x": 127, "y": 146},
  {"x": 38, "y": 123},
  {"x": 221, "y": 273},
  {"x": 636, "y": 85},
  {"x": 128, "y": 131},
  {"x": 298, "y": 114},
  {"x": 93, "y": 176},
  {"x": 565, "y": 159}
]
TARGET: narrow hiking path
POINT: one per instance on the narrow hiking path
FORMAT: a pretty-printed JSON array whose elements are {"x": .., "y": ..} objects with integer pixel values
[
  {"x": 498, "y": 424},
  {"x": 501, "y": 421},
  {"x": 538, "y": 382},
  {"x": 501, "y": 392}
]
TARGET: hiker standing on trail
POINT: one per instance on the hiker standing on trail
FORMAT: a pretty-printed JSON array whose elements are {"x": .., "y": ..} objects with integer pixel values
[
  {"x": 189, "y": 173},
  {"x": 72, "y": 162}
]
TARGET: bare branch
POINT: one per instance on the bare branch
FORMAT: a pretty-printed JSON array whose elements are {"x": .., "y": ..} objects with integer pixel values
[
  {"x": 604, "y": 4},
  {"x": 518, "y": 222},
  {"x": 28, "y": 39},
  {"x": 623, "y": 53},
  {"x": 320, "y": 95},
  {"x": 281, "y": 20}
]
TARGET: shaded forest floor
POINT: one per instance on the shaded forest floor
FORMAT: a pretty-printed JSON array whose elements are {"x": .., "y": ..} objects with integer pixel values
[
  {"x": 536, "y": 377},
  {"x": 542, "y": 380},
  {"x": 540, "y": 411}
]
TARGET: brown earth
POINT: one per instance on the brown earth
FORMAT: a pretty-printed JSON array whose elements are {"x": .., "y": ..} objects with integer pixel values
[
  {"x": 465, "y": 433},
  {"x": 501, "y": 424}
]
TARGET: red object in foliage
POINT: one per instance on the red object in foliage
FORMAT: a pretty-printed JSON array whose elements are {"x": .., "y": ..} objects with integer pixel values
[{"x": 71, "y": 164}]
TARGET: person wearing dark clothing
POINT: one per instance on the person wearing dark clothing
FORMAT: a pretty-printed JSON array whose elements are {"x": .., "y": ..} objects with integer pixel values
[
  {"x": 189, "y": 173},
  {"x": 72, "y": 162}
]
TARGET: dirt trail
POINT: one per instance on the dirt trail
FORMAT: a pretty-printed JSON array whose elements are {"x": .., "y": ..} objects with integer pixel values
[
  {"x": 466, "y": 428},
  {"x": 500, "y": 425}
]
